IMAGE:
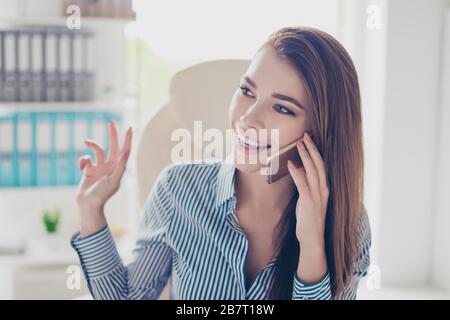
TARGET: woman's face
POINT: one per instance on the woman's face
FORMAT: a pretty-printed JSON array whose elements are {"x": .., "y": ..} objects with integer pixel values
[{"x": 271, "y": 96}]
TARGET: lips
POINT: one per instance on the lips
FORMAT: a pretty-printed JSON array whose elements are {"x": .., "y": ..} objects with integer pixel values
[{"x": 250, "y": 144}]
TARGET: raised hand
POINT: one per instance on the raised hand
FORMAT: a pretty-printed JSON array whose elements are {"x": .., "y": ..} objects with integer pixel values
[{"x": 101, "y": 179}]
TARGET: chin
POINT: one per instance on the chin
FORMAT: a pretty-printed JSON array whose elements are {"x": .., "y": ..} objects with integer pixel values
[
  {"x": 246, "y": 166},
  {"x": 249, "y": 158}
]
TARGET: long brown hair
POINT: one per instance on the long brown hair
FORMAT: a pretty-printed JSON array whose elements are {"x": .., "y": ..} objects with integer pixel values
[{"x": 334, "y": 122}]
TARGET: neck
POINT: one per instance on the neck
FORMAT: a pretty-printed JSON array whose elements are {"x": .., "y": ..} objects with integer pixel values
[{"x": 262, "y": 198}]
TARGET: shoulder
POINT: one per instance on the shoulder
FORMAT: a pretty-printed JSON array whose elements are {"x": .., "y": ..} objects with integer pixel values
[
  {"x": 189, "y": 175},
  {"x": 174, "y": 182}
]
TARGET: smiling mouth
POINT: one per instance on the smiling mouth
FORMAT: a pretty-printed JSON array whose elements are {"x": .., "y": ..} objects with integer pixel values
[{"x": 249, "y": 144}]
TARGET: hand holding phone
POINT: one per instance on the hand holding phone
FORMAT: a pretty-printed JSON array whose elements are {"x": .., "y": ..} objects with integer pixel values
[{"x": 276, "y": 164}]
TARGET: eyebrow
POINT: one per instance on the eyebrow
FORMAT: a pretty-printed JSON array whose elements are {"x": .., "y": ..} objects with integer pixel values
[{"x": 276, "y": 95}]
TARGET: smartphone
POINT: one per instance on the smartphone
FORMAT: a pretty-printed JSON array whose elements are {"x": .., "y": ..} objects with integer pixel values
[{"x": 276, "y": 164}]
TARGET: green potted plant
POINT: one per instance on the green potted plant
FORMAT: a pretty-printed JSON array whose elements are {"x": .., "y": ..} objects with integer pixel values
[{"x": 51, "y": 220}]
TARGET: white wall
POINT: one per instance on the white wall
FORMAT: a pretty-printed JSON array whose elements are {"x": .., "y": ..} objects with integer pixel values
[
  {"x": 441, "y": 240},
  {"x": 400, "y": 70},
  {"x": 411, "y": 106},
  {"x": 367, "y": 47},
  {"x": 189, "y": 32}
]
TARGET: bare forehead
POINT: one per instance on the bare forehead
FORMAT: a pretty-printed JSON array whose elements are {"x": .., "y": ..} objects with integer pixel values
[{"x": 270, "y": 73}]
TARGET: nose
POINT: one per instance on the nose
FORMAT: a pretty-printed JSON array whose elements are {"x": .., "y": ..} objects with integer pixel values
[
  {"x": 253, "y": 118},
  {"x": 252, "y": 124}
]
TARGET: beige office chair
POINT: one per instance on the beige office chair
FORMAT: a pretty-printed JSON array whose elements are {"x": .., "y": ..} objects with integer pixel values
[{"x": 200, "y": 92}]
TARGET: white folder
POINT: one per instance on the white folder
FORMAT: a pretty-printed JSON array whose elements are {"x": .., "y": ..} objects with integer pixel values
[
  {"x": 50, "y": 65},
  {"x": 78, "y": 66},
  {"x": 11, "y": 92},
  {"x": 6, "y": 136},
  {"x": 25, "y": 93},
  {"x": 37, "y": 64},
  {"x": 64, "y": 65},
  {"x": 81, "y": 133},
  {"x": 99, "y": 128},
  {"x": 24, "y": 149}
]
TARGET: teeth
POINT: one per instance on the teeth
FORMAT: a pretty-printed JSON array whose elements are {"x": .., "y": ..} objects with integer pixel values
[{"x": 250, "y": 142}]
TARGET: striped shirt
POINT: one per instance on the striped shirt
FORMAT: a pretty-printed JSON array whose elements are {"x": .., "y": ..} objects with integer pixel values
[{"x": 190, "y": 234}]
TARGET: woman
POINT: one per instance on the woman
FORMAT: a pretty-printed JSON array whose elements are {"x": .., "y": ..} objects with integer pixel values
[{"x": 218, "y": 229}]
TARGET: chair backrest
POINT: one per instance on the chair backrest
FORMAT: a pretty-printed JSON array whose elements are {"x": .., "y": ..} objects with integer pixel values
[{"x": 201, "y": 92}]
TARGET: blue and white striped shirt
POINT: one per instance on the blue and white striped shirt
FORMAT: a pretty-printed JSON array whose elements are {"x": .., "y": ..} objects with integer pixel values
[{"x": 190, "y": 233}]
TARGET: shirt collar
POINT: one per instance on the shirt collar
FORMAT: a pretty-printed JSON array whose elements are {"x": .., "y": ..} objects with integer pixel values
[
  {"x": 225, "y": 188},
  {"x": 225, "y": 181}
]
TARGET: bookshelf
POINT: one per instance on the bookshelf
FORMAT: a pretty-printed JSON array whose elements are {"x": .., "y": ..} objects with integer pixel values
[{"x": 21, "y": 206}]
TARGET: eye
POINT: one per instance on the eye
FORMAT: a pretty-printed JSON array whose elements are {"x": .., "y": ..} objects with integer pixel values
[
  {"x": 244, "y": 90},
  {"x": 283, "y": 109}
]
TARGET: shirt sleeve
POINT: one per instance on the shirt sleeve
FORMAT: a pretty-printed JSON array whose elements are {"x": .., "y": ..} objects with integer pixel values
[
  {"x": 322, "y": 289},
  {"x": 316, "y": 291},
  {"x": 151, "y": 264}
]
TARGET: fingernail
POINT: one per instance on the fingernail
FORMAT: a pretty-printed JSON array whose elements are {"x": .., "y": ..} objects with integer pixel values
[
  {"x": 300, "y": 144},
  {"x": 289, "y": 164},
  {"x": 308, "y": 138}
]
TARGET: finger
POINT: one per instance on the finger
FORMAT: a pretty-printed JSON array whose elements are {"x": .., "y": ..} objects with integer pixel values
[
  {"x": 118, "y": 171},
  {"x": 318, "y": 161},
  {"x": 311, "y": 170},
  {"x": 113, "y": 143},
  {"x": 99, "y": 152},
  {"x": 124, "y": 155},
  {"x": 85, "y": 162},
  {"x": 127, "y": 144},
  {"x": 299, "y": 177}
]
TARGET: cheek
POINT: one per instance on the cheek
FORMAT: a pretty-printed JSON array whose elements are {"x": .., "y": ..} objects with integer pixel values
[
  {"x": 291, "y": 131},
  {"x": 234, "y": 110}
]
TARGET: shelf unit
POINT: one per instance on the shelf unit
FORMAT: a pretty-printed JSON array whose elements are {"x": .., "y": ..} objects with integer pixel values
[{"x": 20, "y": 207}]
